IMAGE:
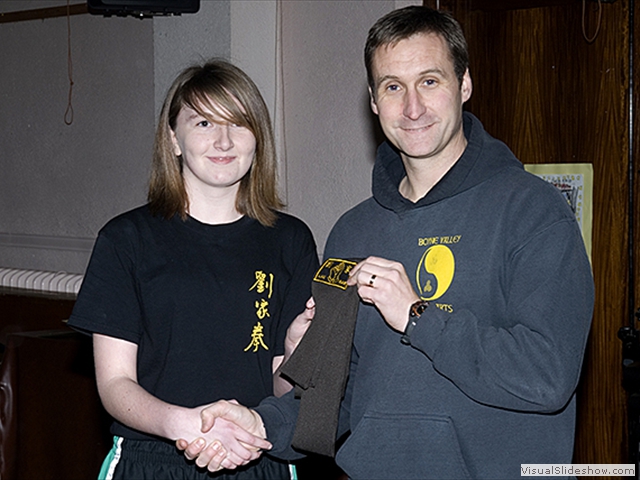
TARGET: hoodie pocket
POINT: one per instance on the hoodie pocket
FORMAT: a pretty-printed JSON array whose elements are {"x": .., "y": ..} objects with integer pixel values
[{"x": 403, "y": 446}]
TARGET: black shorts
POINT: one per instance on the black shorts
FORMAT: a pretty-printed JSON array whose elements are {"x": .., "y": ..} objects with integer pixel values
[{"x": 155, "y": 460}]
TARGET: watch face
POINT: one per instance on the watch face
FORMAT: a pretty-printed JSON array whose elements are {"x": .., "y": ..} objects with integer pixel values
[{"x": 418, "y": 308}]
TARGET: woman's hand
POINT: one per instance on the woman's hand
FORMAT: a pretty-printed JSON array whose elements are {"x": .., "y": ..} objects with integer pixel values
[{"x": 239, "y": 432}]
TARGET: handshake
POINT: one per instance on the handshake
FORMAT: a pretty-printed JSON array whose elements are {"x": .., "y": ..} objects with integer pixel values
[
  {"x": 238, "y": 432},
  {"x": 234, "y": 435}
]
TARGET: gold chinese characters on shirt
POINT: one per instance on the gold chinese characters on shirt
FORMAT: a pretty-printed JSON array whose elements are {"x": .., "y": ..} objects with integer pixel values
[{"x": 263, "y": 286}]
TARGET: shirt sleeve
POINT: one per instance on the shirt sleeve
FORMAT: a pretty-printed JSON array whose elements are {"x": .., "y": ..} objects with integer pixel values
[
  {"x": 107, "y": 302},
  {"x": 279, "y": 415},
  {"x": 304, "y": 265}
]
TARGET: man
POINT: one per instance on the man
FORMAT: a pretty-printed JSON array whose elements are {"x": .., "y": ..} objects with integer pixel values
[{"x": 477, "y": 292}]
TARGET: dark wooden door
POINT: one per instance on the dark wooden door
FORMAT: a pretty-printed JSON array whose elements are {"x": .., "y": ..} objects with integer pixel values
[{"x": 555, "y": 97}]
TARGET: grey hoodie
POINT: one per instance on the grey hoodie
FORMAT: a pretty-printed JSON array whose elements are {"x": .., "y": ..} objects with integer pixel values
[{"x": 488, "y": 382}]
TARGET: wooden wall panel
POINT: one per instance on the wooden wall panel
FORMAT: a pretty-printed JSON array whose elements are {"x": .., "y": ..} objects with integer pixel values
[{"x": 555, "y": 98}]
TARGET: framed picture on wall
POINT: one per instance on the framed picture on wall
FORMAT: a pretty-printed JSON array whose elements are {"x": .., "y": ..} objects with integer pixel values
[{"x": 575, "y": 182}]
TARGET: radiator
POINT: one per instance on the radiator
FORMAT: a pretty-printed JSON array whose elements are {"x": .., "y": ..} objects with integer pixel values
[{"x": 41, "y": 281}]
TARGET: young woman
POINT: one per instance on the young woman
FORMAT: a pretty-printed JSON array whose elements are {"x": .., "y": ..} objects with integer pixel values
[{"x": 189, "y": 297}]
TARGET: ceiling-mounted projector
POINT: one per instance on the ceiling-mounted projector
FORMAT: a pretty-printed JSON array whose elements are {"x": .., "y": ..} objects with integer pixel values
[{"x": 142, "y": 8}]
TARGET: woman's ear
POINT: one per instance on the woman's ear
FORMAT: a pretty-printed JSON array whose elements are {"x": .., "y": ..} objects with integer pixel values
[{"x": 174, "y": 141}]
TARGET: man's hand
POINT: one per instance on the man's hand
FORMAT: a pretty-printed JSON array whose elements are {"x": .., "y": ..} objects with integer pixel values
[
  {"x": 386, "y": 285},
  {"x": 240, "y": 436}
]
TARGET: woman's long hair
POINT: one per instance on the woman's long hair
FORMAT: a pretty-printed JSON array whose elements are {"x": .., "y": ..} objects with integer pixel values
[{"x": 223, "y": 88}]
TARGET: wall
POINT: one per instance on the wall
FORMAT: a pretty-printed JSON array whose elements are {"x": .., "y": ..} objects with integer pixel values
[
  {"x": 180, "y": 41},
  {"x": 61, "y": 183},
  {"x": 330, "y": 141}
]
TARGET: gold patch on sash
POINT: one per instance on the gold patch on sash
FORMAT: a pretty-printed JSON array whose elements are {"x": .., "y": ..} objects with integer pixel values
[{"x": 334, "y": 272}]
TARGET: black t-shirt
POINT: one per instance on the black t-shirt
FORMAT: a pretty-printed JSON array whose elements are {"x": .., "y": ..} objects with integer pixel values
[{"x": 207, "y": 305}]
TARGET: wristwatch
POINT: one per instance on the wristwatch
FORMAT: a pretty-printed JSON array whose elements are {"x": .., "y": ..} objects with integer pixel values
[{"x": 416, "y": 310}]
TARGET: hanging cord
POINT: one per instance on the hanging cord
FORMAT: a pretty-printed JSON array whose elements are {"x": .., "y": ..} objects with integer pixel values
[
  {"x": 68, "y": 114},
  {"x": 584, "y": 14}
]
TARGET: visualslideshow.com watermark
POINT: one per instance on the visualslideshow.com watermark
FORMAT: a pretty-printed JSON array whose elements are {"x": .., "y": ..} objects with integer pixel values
[{"x": 578, "y": 469}]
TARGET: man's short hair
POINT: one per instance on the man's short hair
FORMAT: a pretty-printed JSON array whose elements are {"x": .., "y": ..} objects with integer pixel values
[{"x": 404, "y": 23}]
